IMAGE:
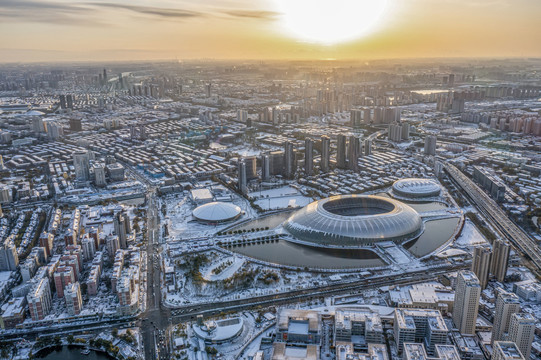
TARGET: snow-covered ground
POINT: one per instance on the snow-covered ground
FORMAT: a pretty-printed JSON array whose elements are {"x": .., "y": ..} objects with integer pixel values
[
  {"x": 470, "y": 236},
  {"x": 280, "y": 198},
  {"x": 230, "y": 266}
]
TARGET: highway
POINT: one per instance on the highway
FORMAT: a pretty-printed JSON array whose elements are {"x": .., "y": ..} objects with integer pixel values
[{"x": 498, "y": 218}]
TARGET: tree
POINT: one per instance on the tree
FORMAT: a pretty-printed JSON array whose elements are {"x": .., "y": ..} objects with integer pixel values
[
  {"x": 115, "y": 332},
  {"x": 70, "y": 339},
  {"x": 57, "y": 340}
]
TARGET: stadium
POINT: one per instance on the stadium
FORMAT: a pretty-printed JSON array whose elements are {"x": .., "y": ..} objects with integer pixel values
[
  {"x": 216, "y": 212},
  {"x": 354, "y": 221}
]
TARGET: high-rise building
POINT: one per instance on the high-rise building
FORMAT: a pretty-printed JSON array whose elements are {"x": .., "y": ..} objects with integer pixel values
[
  {"x": 367, "y": 147},
  {"x": 39, "y": 299},
  {"x": 251, "y": 167},
  {"x": 63, "y": 276},
  {"x": 122, "y": 228},
  {"x": 405, "y": 131},
  {"x": 506, "y": 350},
  {"x": 341, "y": 151},
  {"x": 37, "y": 124},
  {"x": 430, "y": 145},
  {"x": 265, "y": 167},
  {"x": 242, "y": 116},
  {"x": 309, "y": 156},
  {"x": 99, "y": 175},
  {"x": 46, "y": 241},
  {"x": 466, "y": 304},
  {"x": 75, "y": 125},
  {"x": 9, "y": 259},
  {"x": 481, "y": 264},
  {"x": 506, "y": 305},
  {"x": 522, "y": 331},
  {"x": 500, "y": 258},
  {"x": 394, "y": 133},
  {"x": 354, "y": 150},
  {"x": 74, "y": 301},
  {"x": 289, "y": 160},
  {"x": 112, "y": 244},
  {"x": 241, "y": 176},
  {"x": 81, "y": 162},
  {"x": 325, "y": 153},
  {"x": 89, "y": 247}
]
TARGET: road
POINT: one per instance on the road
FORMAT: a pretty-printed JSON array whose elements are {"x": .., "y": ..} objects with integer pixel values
[
  {"x": 190, "y": 312},
  {"x": 498, "y": 218}
]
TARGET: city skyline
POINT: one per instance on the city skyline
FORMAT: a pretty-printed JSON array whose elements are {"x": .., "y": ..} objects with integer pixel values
[{"x": 42, "y": 31}]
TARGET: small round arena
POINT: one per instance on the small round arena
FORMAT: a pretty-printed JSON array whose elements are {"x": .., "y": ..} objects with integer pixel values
[
  {"x": 416, "y": 188},
  {"x": 216, "y": 212}
]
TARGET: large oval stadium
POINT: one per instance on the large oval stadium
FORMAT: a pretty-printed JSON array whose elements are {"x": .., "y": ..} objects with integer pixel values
[{"x": 354, "y": 221}]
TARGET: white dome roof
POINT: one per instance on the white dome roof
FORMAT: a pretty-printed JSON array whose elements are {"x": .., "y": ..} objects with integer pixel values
[
  {"x": 417, "y": 187},
  {"x": 216, "y": 212}
]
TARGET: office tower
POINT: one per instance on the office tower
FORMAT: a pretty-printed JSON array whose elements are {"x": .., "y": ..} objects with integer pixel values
[
  {"x": 74, "y": 301},
  {"x": 325, "y": 153},
  {"x": 341, "y": 152},
  {"x": 241, "y": 176},
  {"x": 99, "y": 175},
  {"x": 506, "y": 305},
  {"x": 367, "y": 147},
  {"x": 430, "y": 145},
  {"x": 265, "y": 167},
  {"x": 251, "y": 167},
  {"x": 75, "y": 125},
  {"x": 37, "y": 124},
  {"x": 481, "y": 264},
  {"x": 353, "y": 153},
  {"x": 289, "y": 159},
  {"x": 242, "y": 116},
  {"x": 105, "y": 75},
  {"x": 521, "y": 332},
  {"x": 309, "y": 156},
  {"x": 81, "y": 163},
  {"x": 9, "y": 259},
  {"x": 39, "y": 299},
  {"x": 466, "y": 304},
  {"x": 506, "y": 350},
  {"x": 500, "y": 258}
]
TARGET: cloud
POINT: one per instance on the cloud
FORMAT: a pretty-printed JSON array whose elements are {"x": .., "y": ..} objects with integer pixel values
[
  {"x": 45, "y": 12},
  {"x": 252, "y": 14},
  {"x": 150, "y": 10}
]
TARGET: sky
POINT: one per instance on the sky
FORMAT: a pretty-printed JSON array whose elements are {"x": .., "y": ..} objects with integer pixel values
[{"x": 120, "y": 30}]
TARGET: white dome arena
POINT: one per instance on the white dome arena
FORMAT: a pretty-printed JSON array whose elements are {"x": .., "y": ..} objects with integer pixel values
[
  {"x": 216, "y": 212},
  {"x": 354, "y": 221},
  {"x": 416, "y": 188}
]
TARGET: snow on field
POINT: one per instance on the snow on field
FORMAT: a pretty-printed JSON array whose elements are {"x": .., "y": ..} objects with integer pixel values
[
  {"x": 470, "y": 236},
  {"x": 228, "y": 270},
  {"x": 280, "y": 198}
]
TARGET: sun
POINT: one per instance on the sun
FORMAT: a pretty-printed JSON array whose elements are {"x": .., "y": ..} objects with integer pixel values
[{"x": 330, "y": 21}]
